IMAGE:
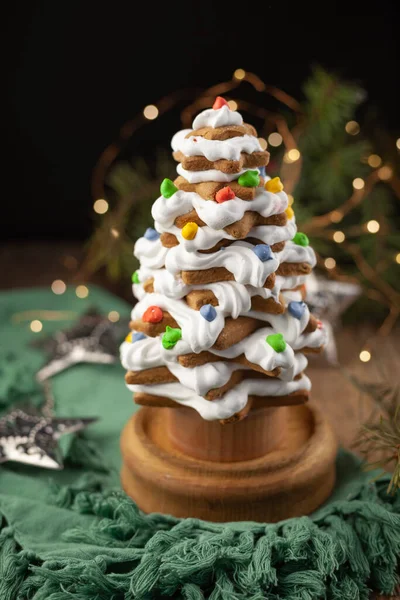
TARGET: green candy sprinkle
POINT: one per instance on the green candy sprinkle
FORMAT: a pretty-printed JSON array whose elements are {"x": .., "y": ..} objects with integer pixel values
[
  {"x": 301, "y": 239},
  {"x": 168, "y": 188},
  {"x": 135, "y": 277},
  {"x": 276, "y": 341},
  {"x": 171, "y": 336},
  {"x": 249, "y": 179}
]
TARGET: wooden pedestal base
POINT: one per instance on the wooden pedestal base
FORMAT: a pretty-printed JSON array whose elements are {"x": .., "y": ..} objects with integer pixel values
[{"x": 176, "y": 463}]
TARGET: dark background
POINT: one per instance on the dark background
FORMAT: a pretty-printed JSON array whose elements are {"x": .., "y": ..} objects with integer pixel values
[{"x": 75, "y": 72}]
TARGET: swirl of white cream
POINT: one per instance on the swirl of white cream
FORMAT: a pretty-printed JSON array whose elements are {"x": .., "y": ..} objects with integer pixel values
[
  {"x": 238, "y": 258},
  {"x": 151, "y": 253},
  {"x": 215, "y": 215},
  {"x": 232, "y": 402},
  {"x": 208, "y": 175},
  {"x": 293, "y": 253},
  {"x": 230, "y": 149},
  {"x": 219, "y": 117}
]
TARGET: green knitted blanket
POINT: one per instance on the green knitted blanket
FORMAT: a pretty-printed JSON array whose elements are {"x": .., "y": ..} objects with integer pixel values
[{"x": 74, "y": 535}]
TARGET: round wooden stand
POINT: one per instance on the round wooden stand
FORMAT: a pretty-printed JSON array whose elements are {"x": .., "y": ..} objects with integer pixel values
[{"x": 277, "y": 463}]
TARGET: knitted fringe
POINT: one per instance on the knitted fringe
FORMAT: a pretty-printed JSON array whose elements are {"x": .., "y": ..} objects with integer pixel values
[{"x": 347, "y": 548}]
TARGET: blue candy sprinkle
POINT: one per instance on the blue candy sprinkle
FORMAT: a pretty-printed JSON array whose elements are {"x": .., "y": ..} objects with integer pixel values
[
  {"x": 262, "y": 171},
  {"x": 263, "y": 251},
  {"x": 137, "y": 336},
  {"x": 151, "y": 234},
  {"x": 297, "y": 309},
  {"x": 208, "y": 312}
]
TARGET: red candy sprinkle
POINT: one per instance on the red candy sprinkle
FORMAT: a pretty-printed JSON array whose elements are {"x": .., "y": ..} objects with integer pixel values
[
  {"x": 320, "y": 324},
  {"x": 153, "y": 314},
  {"x": 219, "y": 103},
  {"x": 224, "y": 194}
]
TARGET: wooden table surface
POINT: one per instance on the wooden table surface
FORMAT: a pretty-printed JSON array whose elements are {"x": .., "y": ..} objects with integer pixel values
[{"x": 38, "y": 264}]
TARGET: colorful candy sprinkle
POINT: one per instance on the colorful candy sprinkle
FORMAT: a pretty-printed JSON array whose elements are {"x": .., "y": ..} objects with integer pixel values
[
  {"x": 262, "y": 171},
  {"x": 249, "y": 179},
  {"x": 168, "y": 188},
  {"x": 135, "y": 277},
  {"x": 263, "y": 251},
  {"x": 276, "y": 341},
  {"x": 320, "y": 324},
  {"x": 153, "y": 314},
  {"x": 137, "y": 336},
  {"x": 297, "y": 309},
  {"x": 128, "y": 338},
  {"x": 208, "y": 312},
  {"x": 219, "y": 103},
  {"x": 289, "y": 212},
  {"x": 151, "y": 234},
  {"x": 189, "y": 230},
  {"x": 226, "y": 193},
  {"x": 274, "y": 185},
  {"x": 171, "y": 336},
  {"x": 301, "y": 239}
]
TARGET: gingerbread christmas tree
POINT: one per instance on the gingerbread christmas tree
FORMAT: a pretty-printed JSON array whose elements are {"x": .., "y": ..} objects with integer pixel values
[{"x": 221, "y": 326}]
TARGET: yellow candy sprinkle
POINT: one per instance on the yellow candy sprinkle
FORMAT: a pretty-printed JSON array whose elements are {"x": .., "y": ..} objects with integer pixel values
[
  {"x": 129, "y": 338},
  {"x": 289, "y": 212},
  {"x": 189, "y": 231},
  {"x": 274, "y": 185}
]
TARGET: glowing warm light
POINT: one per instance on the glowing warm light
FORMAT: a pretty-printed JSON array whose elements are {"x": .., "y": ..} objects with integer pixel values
[
  {"x": 373, "y": 226},
  {"x": 352, "y": 128},
  {"x": 358, "y": 183},
  {"x": 100, "y": 206},
  {"x": 291, "y": 156},
  {"x": 113, "y": 316},
  {"x": 290, "y": 199},
  {"x": 114, "y": 232},
  {"x": 398, "y": 143},
  {"x": 150, "y": 112},
  {"x": 82, "y": 291},
  {"x": 374, "y": 160},
  {"x": 263, "y": 143},
  {"x": 339, "y": 237},
  {"x": 385, "y": 173},
  {"x": 232, "y": 105},
  {"x": 336, "y": 216},
  {"x": 36, "y": 326},
  {"x": 397, "y": 258},
  {"x": 365, "y": 356},
  {"x": 239, "y": 74},
  {"x": 58, "y": 287},
  {"x": 275, "y": 139},
  {"x": 330, "y": 263}
]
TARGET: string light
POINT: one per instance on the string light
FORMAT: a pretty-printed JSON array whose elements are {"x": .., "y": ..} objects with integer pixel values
[
  {"x": 373, "y": 226},
  {"x": 239, "y": 74},
  {"x": 233, "y": 105},
  {"x": 58, "y": 287},
  {"x": 358, "y": 183},
  {"x": 330, "y": 263},
  {"x": 374, "y": 160},
  {"x": 114, "y": 232},
  {"x": 82, "y": 291},
  {"x": 352, "y": 128},
  {"x": 36, "y": 326},
  {"x": 291, "y": 156},
  {"x": 385, "y": 173},
  {"x": 339, "y": 237},
  {"x": 398, "y": 143},
  {"x": 336, "y": 216},
  {"x": 150, "y": 112},
  {"x": 263, "y": 143},
  {"x": 365, "y": 356},
  {"x": 113, "y": 316},
  {"x": 100, "y": 206},
  {"x": 397, "y": 258},
  {"x": 275, "y": 139}
]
